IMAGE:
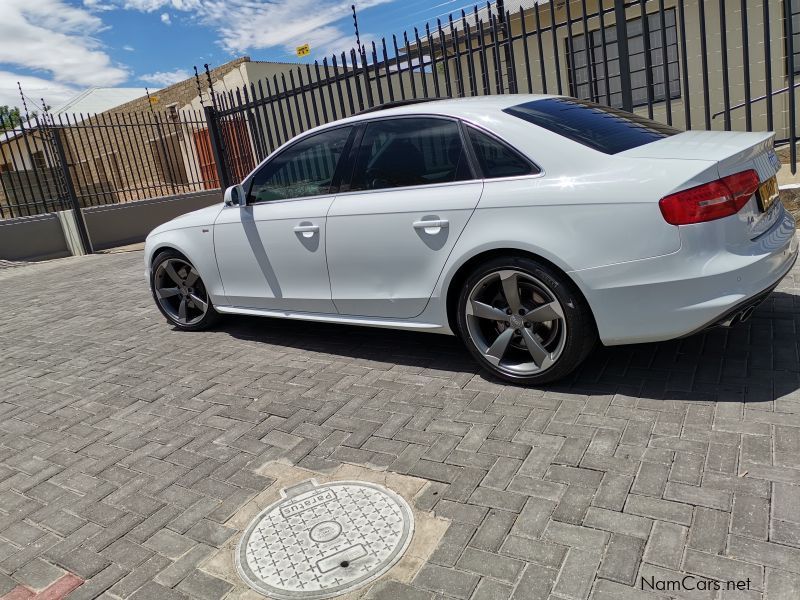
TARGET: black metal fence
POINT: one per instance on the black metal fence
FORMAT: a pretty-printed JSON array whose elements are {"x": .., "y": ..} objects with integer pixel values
[
  {"x": 702, "y": 64},
  {"x": 55, "y": 162},
  {"x": 708, "y": 64}
]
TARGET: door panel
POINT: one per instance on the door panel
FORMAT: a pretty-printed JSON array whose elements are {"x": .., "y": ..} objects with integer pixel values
[
  {"x": 382, "y": 259},
  {"x": 272, "y": 255}
]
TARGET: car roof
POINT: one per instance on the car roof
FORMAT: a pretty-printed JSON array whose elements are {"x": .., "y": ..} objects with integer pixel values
[{"x": 454, "y": 107}]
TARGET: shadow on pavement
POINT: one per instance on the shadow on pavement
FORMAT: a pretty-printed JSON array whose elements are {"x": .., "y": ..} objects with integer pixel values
[{"x": 752, "y": 362}]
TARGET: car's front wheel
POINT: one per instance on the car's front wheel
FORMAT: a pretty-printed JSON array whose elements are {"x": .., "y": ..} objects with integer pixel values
[
  {"x": 180, "y": 293},
  {"x": 523, "y": 321}
]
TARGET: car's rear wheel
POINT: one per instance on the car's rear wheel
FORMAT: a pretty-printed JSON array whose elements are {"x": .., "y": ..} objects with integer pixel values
[
  {"x": 524, "y": 321},
  {"x": 180, "y": 293}
]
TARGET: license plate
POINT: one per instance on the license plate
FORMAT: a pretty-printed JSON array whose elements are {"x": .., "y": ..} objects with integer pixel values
[{"x": 767, "y": 193}]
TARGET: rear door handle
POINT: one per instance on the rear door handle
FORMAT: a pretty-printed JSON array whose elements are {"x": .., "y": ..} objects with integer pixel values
[{"x": 431, "y": 224}]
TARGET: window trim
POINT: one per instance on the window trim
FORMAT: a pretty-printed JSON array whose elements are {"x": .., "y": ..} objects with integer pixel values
[
  {"x": 356, "y": 147},
  {"x": 539, "y": 170},
  {"x": 247, "y": 184}
]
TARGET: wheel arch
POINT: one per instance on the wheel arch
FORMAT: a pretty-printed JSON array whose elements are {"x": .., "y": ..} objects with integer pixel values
[{"x": 453, "y": 286}]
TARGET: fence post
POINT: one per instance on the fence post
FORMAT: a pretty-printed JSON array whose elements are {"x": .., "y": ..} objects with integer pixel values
[
  {"x": 69, "y": 186},
  {"x": 624, "y": 55},
  {"x": 217, "y": 147}
]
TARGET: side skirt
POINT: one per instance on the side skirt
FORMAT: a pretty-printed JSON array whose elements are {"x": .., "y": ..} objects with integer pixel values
[{"x": 341, "y": 319}]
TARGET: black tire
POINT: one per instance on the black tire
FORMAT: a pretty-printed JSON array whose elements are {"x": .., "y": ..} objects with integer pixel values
[
  {"x": 198, "y": 323},
  {"x": 577, "y": 325}
]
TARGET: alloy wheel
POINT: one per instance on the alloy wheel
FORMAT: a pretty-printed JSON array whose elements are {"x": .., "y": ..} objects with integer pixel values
[
  {"x": 180, "y": 291},
  {"x": 516, "y": 322}
]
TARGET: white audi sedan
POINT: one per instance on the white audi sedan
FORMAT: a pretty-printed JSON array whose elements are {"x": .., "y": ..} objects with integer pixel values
[{"x": 528, "y": 226}]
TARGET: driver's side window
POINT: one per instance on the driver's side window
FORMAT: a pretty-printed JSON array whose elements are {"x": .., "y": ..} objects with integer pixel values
[{"x": 304, "y": 169}]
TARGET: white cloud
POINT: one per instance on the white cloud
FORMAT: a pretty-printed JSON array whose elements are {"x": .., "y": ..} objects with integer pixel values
[
  {"x": 55, "y": 40},
  {"x": 245, "y": 25},
  {"x": 165, "y": 18},
  {"x": 35, "y": 89},
  {"x": 165, "y": 78},
  {"x": 129, "y": 48}
]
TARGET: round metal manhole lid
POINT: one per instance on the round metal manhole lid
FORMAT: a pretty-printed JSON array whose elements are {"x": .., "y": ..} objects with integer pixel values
[{"x": 321, "y": 541}]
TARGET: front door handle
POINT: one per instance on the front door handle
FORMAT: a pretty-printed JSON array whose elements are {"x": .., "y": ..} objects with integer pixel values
[
  {"x": 438, "y": 224},
  {"x": 307, "y": 230}
]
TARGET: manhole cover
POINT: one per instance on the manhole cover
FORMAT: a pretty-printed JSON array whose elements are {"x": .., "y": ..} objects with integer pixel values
[{"x": 320, "y": 541}]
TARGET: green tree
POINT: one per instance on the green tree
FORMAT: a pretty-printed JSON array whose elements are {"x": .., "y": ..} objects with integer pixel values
[{"x": 9, "y": 117}]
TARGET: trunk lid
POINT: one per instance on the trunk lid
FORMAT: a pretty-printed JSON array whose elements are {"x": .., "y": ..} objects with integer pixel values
[{"x": 733, "y": 152}]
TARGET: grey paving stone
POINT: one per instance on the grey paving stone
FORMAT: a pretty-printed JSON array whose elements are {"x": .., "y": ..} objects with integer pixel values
[
  {"x": 660, "y": 510},
  {"x": 574, "y": 535},
  {"x": 533, "y": 518},
  {"x": 391, "y": 590},
  {"x": 750, "y": 516},
  {"x": 613, "y": 491},
  {"x": 489, "y": 589},
  {"x": 573, "y": 505},
  {"x": 535, "y": 584},
  {"x": 618, "y": 522},
  {"x": 493, "y": 530},
  {"x": 722, "y": 568},
  {"x": 98, "y": 584},
  {"x": 198, "y": 584},
  {"x": 170, "y": 544},
  {"x": 622, "y": 557},
  {"x": 690, "y": 494},
  {"x": 665, "y": 544},
  {"x": 153, "y": 591},
  {"x": 210, "y": 533},
  {"x": 539, "y": 552},
  {"x": 489, "y": 564},
  {"x": 38, "y": 574},
  {"x": 764, "y": 553},
  {"x": 578, "y": 573},
  {"x": 709, "y": 530},
  {"x": 450, "y": 581}
]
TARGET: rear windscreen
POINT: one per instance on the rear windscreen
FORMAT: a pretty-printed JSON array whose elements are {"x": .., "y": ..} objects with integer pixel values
[{"x": 602, "y": 128}]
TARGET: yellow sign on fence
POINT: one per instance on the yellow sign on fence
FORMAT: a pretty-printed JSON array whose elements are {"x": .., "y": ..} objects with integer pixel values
[{"x": 303, "y": 50}]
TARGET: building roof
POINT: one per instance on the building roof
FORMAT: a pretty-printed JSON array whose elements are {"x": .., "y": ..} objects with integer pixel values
[
  {"x": 97, "y": 100},
  {"x": 89, "y": 102}
]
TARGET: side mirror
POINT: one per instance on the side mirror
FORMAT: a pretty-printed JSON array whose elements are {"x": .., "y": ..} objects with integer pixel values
[{"x": 234, "y": 196}]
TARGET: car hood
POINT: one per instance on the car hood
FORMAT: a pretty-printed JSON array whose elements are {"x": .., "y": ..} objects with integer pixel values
[{"x": 197, "y": 218}]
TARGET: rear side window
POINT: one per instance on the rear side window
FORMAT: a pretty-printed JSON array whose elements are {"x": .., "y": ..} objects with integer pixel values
[
  {"x": 602, "y": 128},
  {"x": 406, "y": 152},
  {"x": 496, "y": 159}
]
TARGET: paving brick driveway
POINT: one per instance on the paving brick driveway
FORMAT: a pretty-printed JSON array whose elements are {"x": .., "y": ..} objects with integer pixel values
[{"x": 126, "y": 446}]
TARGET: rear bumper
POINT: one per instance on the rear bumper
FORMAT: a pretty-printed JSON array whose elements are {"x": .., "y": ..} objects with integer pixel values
[{"x": 676, "y": 295}]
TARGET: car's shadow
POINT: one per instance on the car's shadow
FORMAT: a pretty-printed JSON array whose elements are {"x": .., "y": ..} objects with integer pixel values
[{"x": 753, "y": 361}]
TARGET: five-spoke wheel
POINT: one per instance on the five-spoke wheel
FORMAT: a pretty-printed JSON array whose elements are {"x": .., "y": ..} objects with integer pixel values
[
  {"x": 180, "y": 293},
  {"x": 523, "y": 321}
]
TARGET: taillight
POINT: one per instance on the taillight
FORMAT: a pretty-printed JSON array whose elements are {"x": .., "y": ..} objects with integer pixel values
[{"x": 715, "y": 200}]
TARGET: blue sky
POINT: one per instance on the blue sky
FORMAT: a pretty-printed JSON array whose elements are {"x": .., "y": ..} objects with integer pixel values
[{"x": 58, "y": 48}]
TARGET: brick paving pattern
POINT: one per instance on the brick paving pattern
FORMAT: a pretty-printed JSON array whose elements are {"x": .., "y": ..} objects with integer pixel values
[{"x": 125, "y": 447}]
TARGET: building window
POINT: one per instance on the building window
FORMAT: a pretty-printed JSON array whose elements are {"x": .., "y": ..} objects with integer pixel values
[
  {"x": 795, "y": 34},
  {"x": 587, "y": 78}
]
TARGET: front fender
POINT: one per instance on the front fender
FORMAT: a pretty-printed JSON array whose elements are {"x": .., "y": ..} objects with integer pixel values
[{"x": 197, "y": 245}]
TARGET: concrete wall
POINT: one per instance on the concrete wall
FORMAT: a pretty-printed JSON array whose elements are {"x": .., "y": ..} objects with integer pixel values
[
  {"x": 128, "y": 223},
  {"x": 42, "y": 237},
  {"x": 28, "y": 238}
]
